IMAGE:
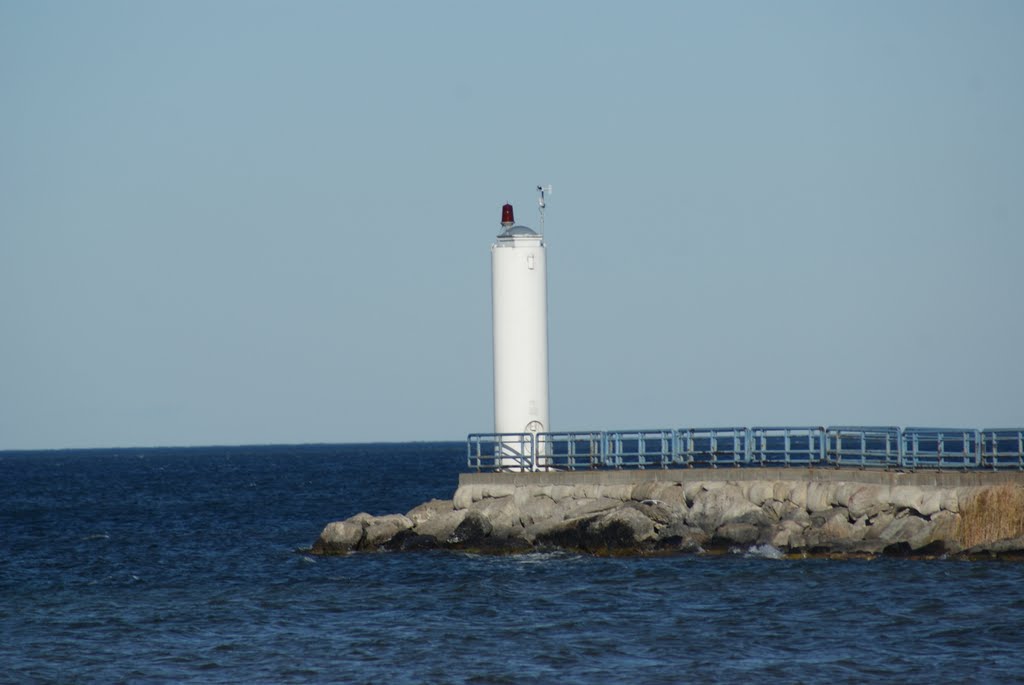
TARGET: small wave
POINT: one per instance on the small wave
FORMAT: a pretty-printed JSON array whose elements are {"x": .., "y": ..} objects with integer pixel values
[
  {"x": 764, "y": 552},
  {"x": 97, "y": 536},
  {"x": 541, "y": 557}
]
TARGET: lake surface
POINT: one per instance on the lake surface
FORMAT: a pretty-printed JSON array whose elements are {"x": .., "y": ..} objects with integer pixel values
[{"x": 188, "y": 565}]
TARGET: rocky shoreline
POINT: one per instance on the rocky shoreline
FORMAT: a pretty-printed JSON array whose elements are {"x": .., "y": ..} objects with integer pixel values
[{"x": 792, "y": 517}]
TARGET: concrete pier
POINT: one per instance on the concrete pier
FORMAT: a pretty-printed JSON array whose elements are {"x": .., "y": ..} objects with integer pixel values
[
  {"x": 789, "y": 511},
  {"x": 945, "y": 479}
]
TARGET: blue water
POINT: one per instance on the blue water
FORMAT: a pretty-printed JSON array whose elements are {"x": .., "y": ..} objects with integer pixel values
[{"x": 186, "y": 565}]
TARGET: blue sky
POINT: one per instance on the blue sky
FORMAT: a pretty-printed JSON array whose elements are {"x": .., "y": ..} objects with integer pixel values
[{"x": 268, "y": 222}]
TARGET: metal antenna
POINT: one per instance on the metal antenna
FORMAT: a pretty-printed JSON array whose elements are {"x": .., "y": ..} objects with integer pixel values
[{"x": 543, "y": 189}]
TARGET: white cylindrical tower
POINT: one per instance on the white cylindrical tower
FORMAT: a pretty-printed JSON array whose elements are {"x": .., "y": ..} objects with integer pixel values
[{"x": 519, "y": 295}]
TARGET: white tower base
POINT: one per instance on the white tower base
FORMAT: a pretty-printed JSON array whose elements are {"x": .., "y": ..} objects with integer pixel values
[{"x": 520, "y": 327}]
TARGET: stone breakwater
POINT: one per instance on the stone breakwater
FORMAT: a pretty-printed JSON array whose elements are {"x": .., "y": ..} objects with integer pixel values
[{"x": 687, "y": 513}]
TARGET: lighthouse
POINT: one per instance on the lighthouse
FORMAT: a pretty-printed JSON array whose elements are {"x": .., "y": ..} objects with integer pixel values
[{"x": 519, "y": 299}]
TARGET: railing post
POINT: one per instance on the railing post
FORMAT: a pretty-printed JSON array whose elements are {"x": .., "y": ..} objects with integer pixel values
[
  {"x": 977, "y": 448},
  {"x": 1020, "y": 450}
]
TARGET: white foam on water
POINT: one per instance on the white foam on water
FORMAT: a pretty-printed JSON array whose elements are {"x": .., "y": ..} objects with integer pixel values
[{"x": 764, "y": 552}]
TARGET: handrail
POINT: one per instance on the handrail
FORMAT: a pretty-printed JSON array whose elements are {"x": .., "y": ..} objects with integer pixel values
[{"x": 887, "y": 447}]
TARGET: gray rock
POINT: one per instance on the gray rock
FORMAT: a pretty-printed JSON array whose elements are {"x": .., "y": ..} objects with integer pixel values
[
  {"x": 906, "y": 497},
  {"x": 788, "y": 534},
  {"x": 869, "y": 500},
  {"x": 681, "y": 537},
  {"x": 831, "y": 530},
  {"x": 640, "y": 528},
  {"x": 536, "y": 509},
  {"x": 473, "y": 530},
  {"x": 815, "y": 516},
  {"x": 428, "y": 510},
  {"x": 380, "y": 529},
  {"x": 820, "y": 496},
  {"x": 712, "y": 509},
  {"x": 759, "y": 491},
  {"x": 939, "y": 534},
  {"x": 620, "y": 530},
  {"x": 409, "y": 541},
  {"x": 572, "y": 534},
  {"x": 795, "y": 513},
  {"x": 773, "y": 510},
  {"x": 1010, "y": 547},
  {"x": 442, "y": 524},
  {"x": 877, "y": 524},
  {"x": 670, "y": 493},
  {"x": 660, "y": 512},
  {"x": 903, "y": 529},
  {"x": 465, "y": 495},
  {"x": 738, "y": 533},
  {"x": 502, "y": 514},
  {"x": 572, "y": 509},
  {"x": 792, "y": 491},
  {"x": 339, "y": 537}
]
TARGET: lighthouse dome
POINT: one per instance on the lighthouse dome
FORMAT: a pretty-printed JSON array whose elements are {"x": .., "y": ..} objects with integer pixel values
[{"x": 515, "y": 231}]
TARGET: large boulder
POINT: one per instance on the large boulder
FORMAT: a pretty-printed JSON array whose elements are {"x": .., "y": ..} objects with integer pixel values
[
  {"x": 820, "y": 495},
  {"x": 940, "y": 535},
  {"x": 679, "y": 537},
  {"x": 409, "y": 541},
  {"x": 737, "y": 533},
  {"x": 536, "y": 509},
  {"x": 380, "y": 529},
  {"x": 501, "y": 513},
  {"x": 619, "y": 530},
  {"x": 665, "y": 492},
  {"x": 465, "y": 495},
  {"x": 713, "y": 508},
  {"x": 585, "y": 508},
  {"x": 339, "y": 537},
  {"x": 360, "y": 532},
  {"x": 907, "y": 497},
  {"x": 428, "y": 510},
  {"x": 868, "y": 500},
  {"x": 832, "y": 530},
  {"x": 472, "y": 531},
  {"x": 904, "y": 532},
  {"x": 658, "y": 511},
  {"x": 437, "y": 518},
  {"x": 787, "y": 534},
  {"x": 758, "y": 491}
]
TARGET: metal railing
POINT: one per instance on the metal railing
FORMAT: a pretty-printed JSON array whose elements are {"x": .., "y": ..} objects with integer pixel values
[
  {"x": 942, "y": 448},
  {"x": 887, "y": 447},
  {"x": 863, "y": 446},
  {"x": 713, "y": 447},
  {"x": 796, "y": 446},
  {"x": 1003, "y": 448}
]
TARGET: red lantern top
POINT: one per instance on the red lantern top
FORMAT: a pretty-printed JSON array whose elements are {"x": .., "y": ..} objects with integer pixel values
[{"x": 507, "y": 219}]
